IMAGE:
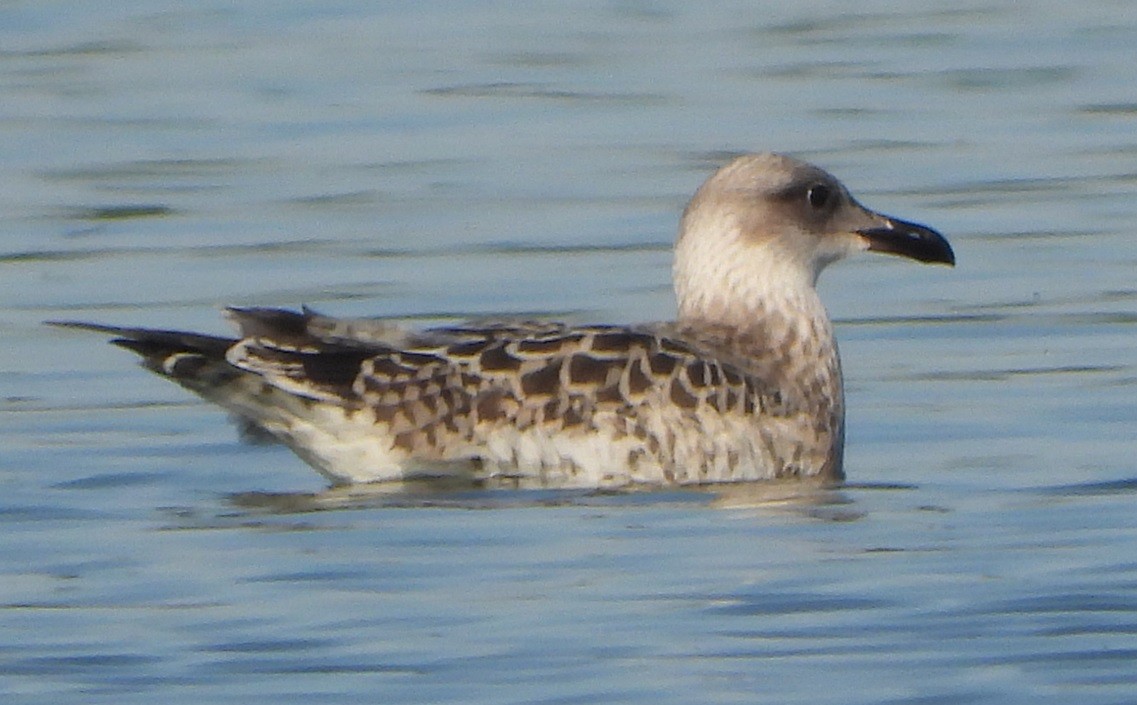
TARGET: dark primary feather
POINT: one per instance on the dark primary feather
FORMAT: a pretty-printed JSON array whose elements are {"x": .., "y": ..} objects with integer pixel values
[{"x": 157, "y": 346}]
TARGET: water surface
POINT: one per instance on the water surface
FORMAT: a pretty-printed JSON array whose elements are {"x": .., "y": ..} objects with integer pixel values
[{"x": 454, "y": 160}]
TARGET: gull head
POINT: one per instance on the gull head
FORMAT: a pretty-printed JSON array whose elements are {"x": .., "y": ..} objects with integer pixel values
[{"x": 759, "y": 231}]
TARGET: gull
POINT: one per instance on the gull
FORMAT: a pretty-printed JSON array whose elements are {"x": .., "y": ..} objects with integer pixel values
[{"x": 744, "y": 385}]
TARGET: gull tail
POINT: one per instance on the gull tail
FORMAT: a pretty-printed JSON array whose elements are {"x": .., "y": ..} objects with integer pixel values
[
  {"x": 198, "y": 363},
  {"x": 272, "y": 388},
  {"x": 190, "y": 359}
]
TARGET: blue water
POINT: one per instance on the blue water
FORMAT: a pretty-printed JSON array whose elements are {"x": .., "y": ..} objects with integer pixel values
[{"x": 433, "y": 162}]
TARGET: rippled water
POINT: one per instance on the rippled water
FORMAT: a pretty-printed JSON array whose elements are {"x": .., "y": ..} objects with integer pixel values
[{"x": 159, "y": 160}]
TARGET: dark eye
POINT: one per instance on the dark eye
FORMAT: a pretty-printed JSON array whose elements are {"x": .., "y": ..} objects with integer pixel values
[{"x": 818, "y": 195}]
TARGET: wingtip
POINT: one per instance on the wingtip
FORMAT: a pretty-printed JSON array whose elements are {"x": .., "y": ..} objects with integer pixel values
[{"x": 87, "y": 326}]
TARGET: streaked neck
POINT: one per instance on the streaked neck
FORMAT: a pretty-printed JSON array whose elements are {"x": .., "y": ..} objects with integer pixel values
[{"x": 764, "y": 310}]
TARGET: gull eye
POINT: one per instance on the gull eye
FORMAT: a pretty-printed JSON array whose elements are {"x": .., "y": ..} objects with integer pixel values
[{"x": 818, "y": 195}]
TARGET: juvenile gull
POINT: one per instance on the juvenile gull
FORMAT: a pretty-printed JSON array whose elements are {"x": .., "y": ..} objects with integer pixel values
[{"x": 744, "y": 385}]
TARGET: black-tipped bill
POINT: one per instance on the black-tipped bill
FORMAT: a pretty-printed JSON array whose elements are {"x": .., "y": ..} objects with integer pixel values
[{"x": 899, "y": 237}]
